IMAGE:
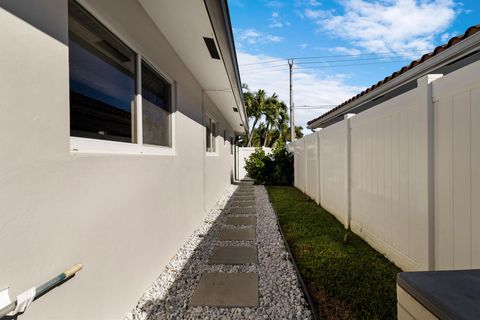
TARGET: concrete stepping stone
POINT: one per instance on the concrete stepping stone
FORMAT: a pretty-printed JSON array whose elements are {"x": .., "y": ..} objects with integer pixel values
[
  {"x": 233, "y": 255},
  {"x": 237, "y": 234},
  {"x": 244, "y": 194},
  {"x": 226, "y": 290},
  {"x": 243, "y": 198},
  {"x": 242, "y": 210},
  {"x": 246, "y": 189},
  {"x": 241, "y": 221},
  {"x": 243, "y": 204}
]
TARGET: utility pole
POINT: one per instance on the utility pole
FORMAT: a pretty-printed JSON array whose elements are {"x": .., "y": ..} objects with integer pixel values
[{"x": 292, "y": 114}]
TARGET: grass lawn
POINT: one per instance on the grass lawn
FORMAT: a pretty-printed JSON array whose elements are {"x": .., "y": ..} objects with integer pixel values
[{"x": 347, "y": 280}]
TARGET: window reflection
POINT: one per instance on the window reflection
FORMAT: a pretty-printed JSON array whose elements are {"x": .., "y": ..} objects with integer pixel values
[{"x": 102, "y": 80}]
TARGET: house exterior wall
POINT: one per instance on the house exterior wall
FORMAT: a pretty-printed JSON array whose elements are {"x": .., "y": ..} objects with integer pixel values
[
  {"x": 414, "y": 178},
  {"x": 122, "y": 215}
]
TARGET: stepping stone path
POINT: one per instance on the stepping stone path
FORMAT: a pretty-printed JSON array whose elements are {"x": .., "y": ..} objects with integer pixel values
[
  {"x": 237, "y": 234},
  {"x": 242, "y": 210},
  {"x": 243, "y": 204},
  {"x": 233, "y": 255},
  {"x": 241, "y": 221},
  {"x": 226, "y": 290},
  {"x": 220, "y": 289}
]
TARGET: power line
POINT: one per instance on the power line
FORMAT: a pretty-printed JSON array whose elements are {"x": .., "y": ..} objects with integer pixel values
[
  {"x": 325, "y": 106},
  {"x": 350, "y": 65},
  {"x": 319, "y": 62},
  {"x": 320, "y": 67},
  {"x": 344, "y": 60},
  {"x": 331, "y": 56}
]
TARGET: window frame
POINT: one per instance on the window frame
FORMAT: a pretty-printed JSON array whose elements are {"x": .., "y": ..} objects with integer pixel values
[
  {"x": 80, "y": 145},
  {"x": 210, "y": 121}
]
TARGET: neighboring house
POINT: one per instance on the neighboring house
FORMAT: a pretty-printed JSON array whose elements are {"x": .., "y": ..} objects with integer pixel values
[{"x": 116, "y": 125}]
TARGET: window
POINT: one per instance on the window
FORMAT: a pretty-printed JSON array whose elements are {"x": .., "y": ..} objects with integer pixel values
[
  {"x": 104, "y": 77},
  {"x": 210, "y": 129},
  {"x": 224, "y": 137},
  {"x": 156, "y": 94}
]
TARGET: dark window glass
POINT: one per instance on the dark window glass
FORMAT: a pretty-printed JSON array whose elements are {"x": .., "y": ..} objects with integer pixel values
[
  {"x": 208, "y": 137},
  {"x": 156, "y": 107},
  {"x": 102, "y": 80}
]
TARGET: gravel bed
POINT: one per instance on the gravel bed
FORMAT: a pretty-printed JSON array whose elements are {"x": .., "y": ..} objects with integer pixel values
[{"x": 279, "y": 291}]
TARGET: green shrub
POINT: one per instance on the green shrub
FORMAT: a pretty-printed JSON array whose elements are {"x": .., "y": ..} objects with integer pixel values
[{"x": 275, "y": 168}]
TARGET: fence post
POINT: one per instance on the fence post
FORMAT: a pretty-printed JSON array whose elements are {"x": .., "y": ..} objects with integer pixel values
[
  {"x": 348, "y": 172},
  {"x": 425, "y": 86}
]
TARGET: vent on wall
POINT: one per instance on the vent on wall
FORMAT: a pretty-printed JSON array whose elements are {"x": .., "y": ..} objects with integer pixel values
[
  {"x": 235, "y": 109},
  {"x": 212, "y": 48}
]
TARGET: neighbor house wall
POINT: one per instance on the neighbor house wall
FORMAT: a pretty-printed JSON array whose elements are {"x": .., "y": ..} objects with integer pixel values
[{"x": 122, "y": 215}]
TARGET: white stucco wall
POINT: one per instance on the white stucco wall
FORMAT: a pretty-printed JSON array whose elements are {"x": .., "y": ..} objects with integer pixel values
[{"x": 122, "y": 216}]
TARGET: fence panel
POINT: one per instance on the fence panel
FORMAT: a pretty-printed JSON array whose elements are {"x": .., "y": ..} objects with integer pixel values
[
  {"x": 300, "y": 166},
  {"x": 456, "y": 99},
  {"x": 389, "y": 191},
  {"x": 333, "y": 159},
  {"x": 312, "y": 166}
]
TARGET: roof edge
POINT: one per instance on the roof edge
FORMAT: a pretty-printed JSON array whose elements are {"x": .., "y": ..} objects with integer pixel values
[
  {"x": 220, "y": 20},
  {"x": 455, "y": 48}
]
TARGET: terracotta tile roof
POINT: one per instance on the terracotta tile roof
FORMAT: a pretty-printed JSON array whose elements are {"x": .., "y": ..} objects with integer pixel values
[{"x": 453, "y": 41}]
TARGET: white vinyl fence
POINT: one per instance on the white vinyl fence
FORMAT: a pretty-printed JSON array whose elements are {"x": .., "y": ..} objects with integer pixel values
[{"x": 405, "y": 174}]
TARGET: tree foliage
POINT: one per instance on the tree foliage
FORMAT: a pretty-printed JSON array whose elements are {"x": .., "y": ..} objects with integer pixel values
[
  {"x": 275, "y": 168},
  {"x": 268, "y": 120}
]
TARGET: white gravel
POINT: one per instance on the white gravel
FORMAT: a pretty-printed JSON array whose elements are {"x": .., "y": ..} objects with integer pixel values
[{"x": 279, "y": 290}]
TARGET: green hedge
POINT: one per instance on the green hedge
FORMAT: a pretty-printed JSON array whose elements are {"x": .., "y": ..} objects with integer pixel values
[{"x": 274, "y": 168}]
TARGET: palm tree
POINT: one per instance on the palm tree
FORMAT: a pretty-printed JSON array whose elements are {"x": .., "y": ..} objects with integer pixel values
[{"x": 254, "y": 105}]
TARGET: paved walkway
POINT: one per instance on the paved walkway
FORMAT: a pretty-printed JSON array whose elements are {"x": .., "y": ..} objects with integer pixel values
[
  {"x": 238, "y": 289},
  {"x": 235, "y": 266}
]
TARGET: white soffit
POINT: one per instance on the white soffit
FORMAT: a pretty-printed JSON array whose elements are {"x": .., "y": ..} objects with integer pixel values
[{"x": 184, "y": 23}]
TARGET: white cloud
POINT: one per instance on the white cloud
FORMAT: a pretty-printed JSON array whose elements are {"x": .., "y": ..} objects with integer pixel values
[
  {"x": 344, "y": 50},
  {"x": 403, "y": 27},
  {"x": 276, "y": 21},
  {"x": 303, "y": 45},
  {"x": 314, "y": 3},
  {"x": 253, "y": 37},
  {"x": 309, "y": 88}
]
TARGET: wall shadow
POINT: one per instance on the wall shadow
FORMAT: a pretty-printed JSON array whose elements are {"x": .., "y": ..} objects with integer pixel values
[{"x": 175, "y": 302}]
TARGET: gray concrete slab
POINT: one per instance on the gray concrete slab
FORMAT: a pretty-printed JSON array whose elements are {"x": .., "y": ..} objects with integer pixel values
[
  {"x": 241, "y": 221},
  {"x": 233, "y": 255},
  {"x": 246, "y": 189},
  {"x": 244, "y": 194},
  {"x": 237, "y": 234},
  {"x": 226, "y": 290},
  {"x": 239, "y": 210},
  {"x": 243, "y": 198},
  {"x": 242, "y": 204}
]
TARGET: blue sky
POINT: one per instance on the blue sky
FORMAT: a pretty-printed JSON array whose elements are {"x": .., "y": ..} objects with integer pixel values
[{"x": 356, "y": 43}]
